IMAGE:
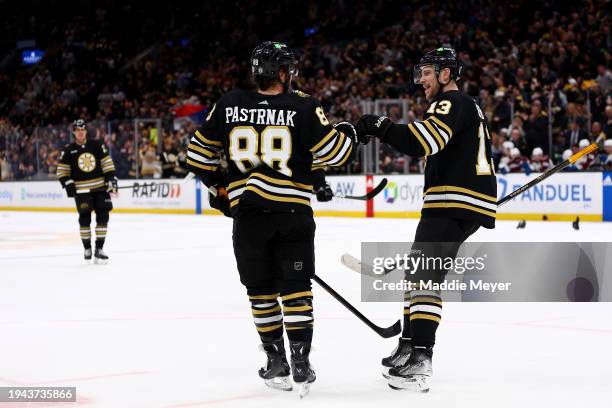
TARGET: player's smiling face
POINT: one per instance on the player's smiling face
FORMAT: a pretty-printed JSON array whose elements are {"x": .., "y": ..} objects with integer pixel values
[{"x": 429, "y": 81}]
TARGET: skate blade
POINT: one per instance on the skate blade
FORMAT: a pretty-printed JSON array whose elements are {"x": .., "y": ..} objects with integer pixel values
[
  {"x": 385, "y": 372},
  {"x": 418, "y": 383},
  {"x": 280, "y": 383},
  {"x": 303, "y": 388},
  {"x": 98, "y": 261}
]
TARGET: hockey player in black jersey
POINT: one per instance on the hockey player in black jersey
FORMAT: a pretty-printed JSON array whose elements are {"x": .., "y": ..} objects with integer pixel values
[
  {"x": 87, "y": 173},
  {"x": 459, "y": 197},
  {"x": 273, "y": 138}
]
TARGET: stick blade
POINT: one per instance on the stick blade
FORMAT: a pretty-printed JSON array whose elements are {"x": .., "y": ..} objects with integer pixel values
[
  {"x": 377, "y": 189},
  {"x": 390, "y": 331}
]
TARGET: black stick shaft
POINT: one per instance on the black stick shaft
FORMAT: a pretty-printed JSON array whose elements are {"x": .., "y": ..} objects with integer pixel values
[{"x": 346, "y": 304}]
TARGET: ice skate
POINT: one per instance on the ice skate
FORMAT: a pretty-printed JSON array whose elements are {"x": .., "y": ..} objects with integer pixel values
[
  {"x": 87, "y": 255},
  {"x": 303, "y": 374},
  {"x": 276, "y": 372},
  {"x": 399, "y": 356},
  {"x": 415, "y": 374},
  {"x": 100, "y": 258}
]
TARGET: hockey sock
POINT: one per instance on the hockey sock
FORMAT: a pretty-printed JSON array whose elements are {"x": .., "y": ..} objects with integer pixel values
[
  {"x": 297, "y": 312},
  {"x": 102, "y": 217},
  {"x": 425, "y": 312},
  {"x": 267, "y": 316},
  {"x": 100, "y": 235},
  {"x": 406, "y": 325},
  {"x": 85, "y": 229},
  {"x": 86, "y": 237}
]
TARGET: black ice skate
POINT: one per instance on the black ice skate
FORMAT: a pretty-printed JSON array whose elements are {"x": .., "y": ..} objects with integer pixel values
[
  {"x": 100, "y": 257},
  {"x": 303, "y": 374},
  {"x": 87, "y": 254},
  {"x": 398, "y": 357},
  {"x": 276, "y": 371},
  {"x": 415, "y": 374}
]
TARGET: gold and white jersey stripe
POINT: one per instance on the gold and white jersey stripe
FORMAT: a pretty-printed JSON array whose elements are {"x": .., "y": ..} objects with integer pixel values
[
  {"x": 460, "y": 197},
  {"x": 333, "y": 150},
  {"x": 107, "y": 164},
  {"x": 270, "y": 188},
  {"x": 432, "y": 134},
  {"x": 90, "y": 184},
  {"x": 203, "y": 153}
]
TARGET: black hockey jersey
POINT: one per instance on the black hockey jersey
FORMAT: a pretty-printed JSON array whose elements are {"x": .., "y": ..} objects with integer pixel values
[
  {"x": 459, "y": 175},
  {"x": 271, "y": 143},
  {"x": 87, "y": 166}
]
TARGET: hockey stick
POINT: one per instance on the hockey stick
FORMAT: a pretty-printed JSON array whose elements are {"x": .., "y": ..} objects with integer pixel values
[
  {"x": 375, "y": 191},
  {"x": 385, "y": 332},
  {"x": 189, "y": 176},
  {"x": 589, "y": 149},
  {"x": 382, "y": 331},
  {"x": 356, "y": 265}
]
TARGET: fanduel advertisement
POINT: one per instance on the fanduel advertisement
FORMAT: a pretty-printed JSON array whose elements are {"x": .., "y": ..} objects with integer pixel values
[{"x": 565, "y": 193}]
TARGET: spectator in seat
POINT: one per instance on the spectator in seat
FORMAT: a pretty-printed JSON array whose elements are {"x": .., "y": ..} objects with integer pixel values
[
  {"x": 584, "y": 162},
  {"x": 539, "y": 161},
  {"x": 566, "y": 155},
  {"x": 573, "y": 135}
]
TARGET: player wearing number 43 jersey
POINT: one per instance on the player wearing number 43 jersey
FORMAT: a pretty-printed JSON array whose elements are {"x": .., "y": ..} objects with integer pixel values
[
  {"x": 459, "y": 196},
  {"x": 273, "y": 140}
]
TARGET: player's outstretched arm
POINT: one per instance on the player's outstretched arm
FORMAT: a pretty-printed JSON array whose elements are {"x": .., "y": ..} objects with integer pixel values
[{"x": 419, "y": 138}]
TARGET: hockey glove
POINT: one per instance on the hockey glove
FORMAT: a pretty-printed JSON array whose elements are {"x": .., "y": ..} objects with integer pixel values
[
  {"x": 349, "y": 130},
  {"x": 112, "y": 185},
  {"x": 220, "y": 201},
  {"x": 70, "y": 188},
  {"x": 324, "y": 193},
  {"x": 373, "y": 125}
]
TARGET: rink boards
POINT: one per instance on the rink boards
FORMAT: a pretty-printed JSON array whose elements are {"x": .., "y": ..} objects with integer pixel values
[{"x": 561, "y": 197}]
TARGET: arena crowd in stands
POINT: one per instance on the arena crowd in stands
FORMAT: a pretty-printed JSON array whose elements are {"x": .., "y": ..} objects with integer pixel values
[{"x": 532, "y": 66}]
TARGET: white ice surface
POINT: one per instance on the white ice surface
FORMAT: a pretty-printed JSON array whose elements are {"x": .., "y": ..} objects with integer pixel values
[{"x": 167, "y": 323}]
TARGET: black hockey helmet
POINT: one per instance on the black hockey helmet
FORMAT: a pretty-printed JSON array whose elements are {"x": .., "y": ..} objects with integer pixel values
[
  {"x": 79, "y": 124},
  {"x": 443, "y": 57},
  {"x": 269, "y": 57}
]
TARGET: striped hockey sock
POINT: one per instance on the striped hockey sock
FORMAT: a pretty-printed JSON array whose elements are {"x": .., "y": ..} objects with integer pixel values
[
  {"x": 267, "y": 316},
  {"x": 297, "y": 312}
]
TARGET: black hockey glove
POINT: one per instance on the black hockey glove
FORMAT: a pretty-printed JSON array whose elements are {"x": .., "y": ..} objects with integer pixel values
[
  {"x": 373, "y": 125},
  {"x": 349, "y": 130},
  {"x": 220, "y": 201},
  {"x": 112, "y": 185},
  {"x": 70, "y": 188},
  {"x": 324, "y": 193}
]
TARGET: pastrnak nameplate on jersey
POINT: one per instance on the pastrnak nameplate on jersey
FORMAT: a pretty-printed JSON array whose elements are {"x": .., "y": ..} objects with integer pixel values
[{"x": 259, "y": 116}]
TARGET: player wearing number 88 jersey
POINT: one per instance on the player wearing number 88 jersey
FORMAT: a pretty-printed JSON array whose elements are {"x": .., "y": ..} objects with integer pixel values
[{"x": 273, "y": 139}]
